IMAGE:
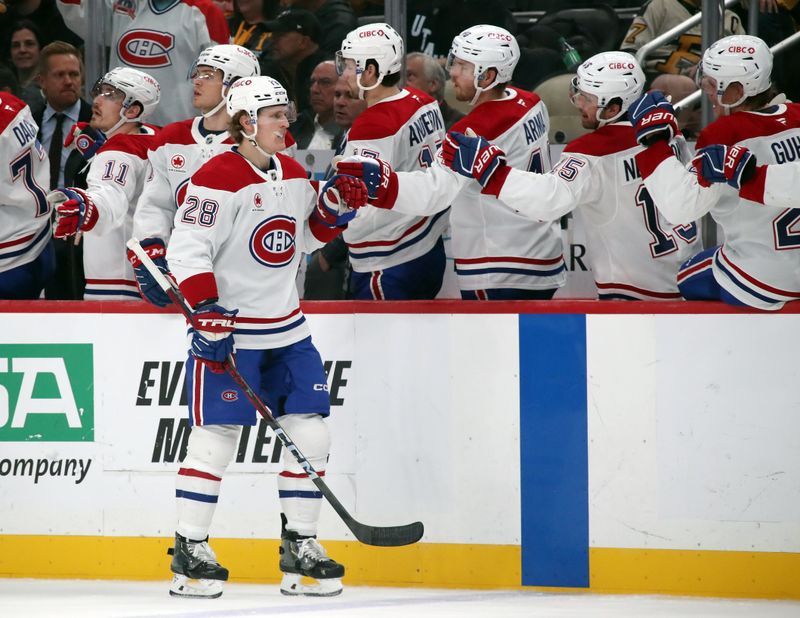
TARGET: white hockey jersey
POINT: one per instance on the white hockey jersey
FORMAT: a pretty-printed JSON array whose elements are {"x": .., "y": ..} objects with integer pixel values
[
  {"x": 777, "y": 185},
  {"x": 24, "y": 178},
  {"x": 163, "y": 43},
  {"x": 114, "y": 182},
  {"x": 494, "y": 247},
  {"x": 239, "y": 235},
  {"x": 406, "y": 130},
  {"x": 633, "y": 251},
  {"x": 759, "y": 261},
  {"x": 180, "y": 149}
]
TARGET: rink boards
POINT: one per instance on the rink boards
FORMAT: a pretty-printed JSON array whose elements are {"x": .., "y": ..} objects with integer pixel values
[{"x": 581, "y": 448}]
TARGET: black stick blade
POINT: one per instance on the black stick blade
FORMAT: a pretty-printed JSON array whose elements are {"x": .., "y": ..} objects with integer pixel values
[{"x": 387, "y": 536}]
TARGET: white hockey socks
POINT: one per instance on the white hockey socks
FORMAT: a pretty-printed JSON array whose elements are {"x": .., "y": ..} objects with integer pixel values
[
  {"x": 208, "y": 454},
  {"x": 300, "y": 499}
]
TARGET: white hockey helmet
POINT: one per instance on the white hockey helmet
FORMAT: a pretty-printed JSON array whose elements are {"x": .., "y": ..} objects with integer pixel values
[
  {"x": 608, "y": 76},
  {"x": 378, "y": 42},
  {"x": 250, "y": 94},
  {"x": 137, "y": 86},
  {"x": 487, "y": 47},
  {"x": 234, "y": 61},
  {"x": 738, "y": 58}
]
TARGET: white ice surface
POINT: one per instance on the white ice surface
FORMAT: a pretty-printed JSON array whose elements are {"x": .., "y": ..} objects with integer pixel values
[{"x": 25, "y": 598}]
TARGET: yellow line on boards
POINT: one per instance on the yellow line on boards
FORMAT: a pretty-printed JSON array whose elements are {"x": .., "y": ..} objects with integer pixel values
[
  {"x": 625, "y": 571},
  {"x": 771, "y": 575}
]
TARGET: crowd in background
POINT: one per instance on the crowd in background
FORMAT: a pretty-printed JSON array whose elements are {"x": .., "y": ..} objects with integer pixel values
[{"x": 295, "y": 42}]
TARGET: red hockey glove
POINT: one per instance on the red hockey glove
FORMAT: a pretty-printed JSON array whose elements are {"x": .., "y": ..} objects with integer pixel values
[{"x": 74, "y": 211}]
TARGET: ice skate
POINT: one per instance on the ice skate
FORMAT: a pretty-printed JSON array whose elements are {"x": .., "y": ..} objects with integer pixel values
[
  {"x": 197, "y": 574},
  {"x": 303, "y": 557}
]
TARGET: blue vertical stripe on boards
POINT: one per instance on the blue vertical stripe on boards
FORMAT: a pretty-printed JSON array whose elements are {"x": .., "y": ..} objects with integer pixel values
[{"x": 554, "y": 466}]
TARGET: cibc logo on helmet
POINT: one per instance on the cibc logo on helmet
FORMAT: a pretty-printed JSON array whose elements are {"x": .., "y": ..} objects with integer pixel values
[
  {"x": 739, "y": 49},
  {"x": 621, "y": 65},
  {"x": 370, "y": 33},
  {"x": 499, "y": 36}
]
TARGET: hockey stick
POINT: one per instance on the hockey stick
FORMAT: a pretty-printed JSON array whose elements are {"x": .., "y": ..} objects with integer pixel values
[{"x": 383, "y": 536}]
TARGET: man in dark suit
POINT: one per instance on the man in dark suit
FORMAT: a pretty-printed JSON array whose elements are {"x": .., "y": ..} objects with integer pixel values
[{"x": 61, "y": 78}]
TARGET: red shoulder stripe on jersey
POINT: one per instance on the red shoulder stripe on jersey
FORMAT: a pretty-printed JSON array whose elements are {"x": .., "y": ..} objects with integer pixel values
[
  {"x": 290, "y": 141},
  {"x": 387, "y": 118},
  {"x": 228, "y": 171},
  {"x": 136, "y": 144},
  {"x": 607, "y": 140},
  {"x": 290, "y": 167},
  {"x": 215, "y": 20},
  {"x": 493, "y": 118},
  {"x": 10, "y": 106},
  {"x": 175, "y": 133},
  {"x": 730, "y": 130}
]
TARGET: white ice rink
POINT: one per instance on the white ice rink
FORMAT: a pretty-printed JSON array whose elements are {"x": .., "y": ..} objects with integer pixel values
[{"x": 25, "y": 598}]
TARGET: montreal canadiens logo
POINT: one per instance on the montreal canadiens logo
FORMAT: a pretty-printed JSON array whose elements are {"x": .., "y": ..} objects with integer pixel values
[
  {"x": 229, "y": 395},
  {"x": 145, "y": 49},
  {"x": 272, "y": 242}
]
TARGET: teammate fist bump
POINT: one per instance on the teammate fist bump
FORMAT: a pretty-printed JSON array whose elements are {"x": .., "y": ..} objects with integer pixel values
[
  {"x": 472, "y": 156},
  {"x": 719, "y": 163},
  {"x": 148, "y": 287},
  {"x": 378, "y": 176},
  {"x": 87, "y": 140},
  {"x": 211, "y": 340},
  {"x": 653, "y": 117},
  {"x": 74, "y": 211},
  {"x": 340, "y": 199}
]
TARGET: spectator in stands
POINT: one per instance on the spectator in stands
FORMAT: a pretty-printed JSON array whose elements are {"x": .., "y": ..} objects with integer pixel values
[
  {"x": 25, "y": 46},
  {"x": 44, "y": 14},
  {"x": 431, "y": 25},
  {"x": 295, "y": 47},
  {"x": 424, "y": 73},
  {"x": 336, "y": 17},
  {"x": 247, "y": 23},
  {"x": 346, "y": 107},
  {"x": 61, "y": 79},
  {"x": 322, "y": 132},
  {"x": 328, "y": 272},
  {"x": 671, "y": 67}
]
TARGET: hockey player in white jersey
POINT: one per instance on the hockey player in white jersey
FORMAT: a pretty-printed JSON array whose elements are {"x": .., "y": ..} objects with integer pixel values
[
  {"x": 117, "y": 157},
  {"x": 26, "y": 256},
  {"x": 776, "y": 185},
  {"x": 161, "y": 37},
  {"x": 633, "y": 252},
  {"x": 394, "y": 256},
  {"x": 181, "y": 148},
  {"x": 758, "y": 263},
  {"x": 499, "y": 253},
  {"x": 248, "y": 216}
]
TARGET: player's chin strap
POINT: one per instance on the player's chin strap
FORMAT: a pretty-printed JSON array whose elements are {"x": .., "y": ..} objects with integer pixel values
[
  {"x": 254, "y": 144},
  {"x": 219, "y": 105},
  {"x": 362, "y": 88},
  {"x": 478, "y": 90}
]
